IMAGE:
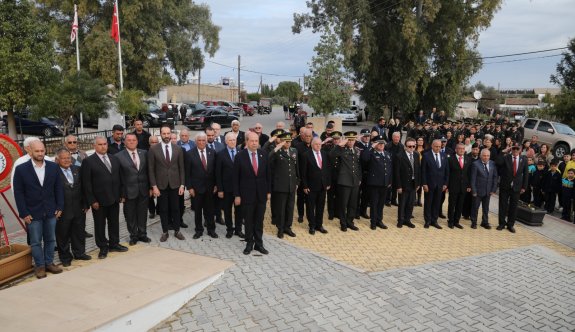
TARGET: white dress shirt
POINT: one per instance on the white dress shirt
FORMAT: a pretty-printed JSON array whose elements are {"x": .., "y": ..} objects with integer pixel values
[{"x": 40, "y": 171}]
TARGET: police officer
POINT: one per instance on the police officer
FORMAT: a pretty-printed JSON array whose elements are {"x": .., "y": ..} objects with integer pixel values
[
  {"x": 378, "y": 179},
  {"x": 348, "y": 180},
  {"x": 328, "y": 145},
  {"x": 285, "y": 178}
]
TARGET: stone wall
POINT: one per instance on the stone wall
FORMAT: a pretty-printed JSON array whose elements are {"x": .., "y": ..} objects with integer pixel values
[{"x": 189, "y": 93}]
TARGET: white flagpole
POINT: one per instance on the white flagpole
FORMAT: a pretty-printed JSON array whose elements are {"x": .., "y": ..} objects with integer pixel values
[
  {"x": 119, "y": 47},
  {"x": 78, "y": 61}
]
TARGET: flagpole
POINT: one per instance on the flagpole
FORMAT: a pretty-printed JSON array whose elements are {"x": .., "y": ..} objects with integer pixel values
[
  {"x": 119, "y": 48},
  {"x": 78, "y": 62}
]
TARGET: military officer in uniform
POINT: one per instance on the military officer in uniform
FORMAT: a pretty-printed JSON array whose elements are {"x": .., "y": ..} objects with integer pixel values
[
  {"x": 285, "y": 178},
  {"x": 363, "y": 202},
  {"x": 348, "y": 179},
  {"x": 270, "y": 145},
  {"x": 378, "y": 177},
  {"x": 327, "y": 145}
]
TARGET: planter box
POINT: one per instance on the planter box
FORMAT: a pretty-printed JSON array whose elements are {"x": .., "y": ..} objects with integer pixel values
[
  {"x": 15, "y": 261},
  {"x": 530, "y": 217}
]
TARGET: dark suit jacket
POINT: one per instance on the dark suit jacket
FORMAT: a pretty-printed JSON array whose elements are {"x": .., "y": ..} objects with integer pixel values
[
  {"x": 458, "y": 177},
  {"x": 482, "y": 184},
  {"x": 165, "y": 174},
  {"x": 98, "y": 184},
  {"x": 134, "y": 181},
  {"x": 312, "y": 177},
  {"x": 217, "y": 146},
  {"x": 34, "y": 199},
  {"x": 224, "y": 171},
  {"x": 74, "y": 202},
  {"x": 113, "y": 148},
  {"x": 252, "y": 188},
  {"x": 402, "y": 171},
  {"x": 507, "y": 180},
  {"x": 379, "y": 168},
  {"x": 431, "y": 175},
  {"x": 349, "y": 165},
  {"x": 197, "y": 178}
]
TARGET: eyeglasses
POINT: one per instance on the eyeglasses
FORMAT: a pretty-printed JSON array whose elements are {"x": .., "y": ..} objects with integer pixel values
[
  {"x": 257, "y": 127},
  {"x": 72, "y": 142},
  {"x": 410, "y": 146}
]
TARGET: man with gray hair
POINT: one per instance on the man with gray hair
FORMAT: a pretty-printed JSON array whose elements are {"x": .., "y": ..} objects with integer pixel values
[
  {"x": 241, "y": 136},
  {"x": 483, "y": 180},
  {"x": 25, "y": 157}
]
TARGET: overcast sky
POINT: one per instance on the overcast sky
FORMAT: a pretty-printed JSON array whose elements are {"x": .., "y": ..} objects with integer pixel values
[{"x": 260, "y": 31}]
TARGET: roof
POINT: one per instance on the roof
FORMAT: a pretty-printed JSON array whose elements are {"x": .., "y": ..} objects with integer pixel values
[
  {"x": 551, "y": 91},
  {"x": 521, "y": 101}
]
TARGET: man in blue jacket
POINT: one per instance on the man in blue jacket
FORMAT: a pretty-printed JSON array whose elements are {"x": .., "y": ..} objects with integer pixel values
[{"x": 39, "y": 195}]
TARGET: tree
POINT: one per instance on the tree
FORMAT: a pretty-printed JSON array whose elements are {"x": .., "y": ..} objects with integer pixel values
[
  {"x": 406, "y": 54},
  {"x": 73, "y": 94},
  {"x": 290, "y": 90},
  {"x": 328, "y": 86},
  {"x": 26, "y": 56},
  {"x": 157, "y": 36},
  {"x": 130, "y": 103},
  {"x": 564, "y": 76}
]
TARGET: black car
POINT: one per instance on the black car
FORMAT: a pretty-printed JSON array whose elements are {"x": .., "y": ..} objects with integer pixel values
[
  {"x": 44, "y": 126},
  {"x": 204, "y": 118}
]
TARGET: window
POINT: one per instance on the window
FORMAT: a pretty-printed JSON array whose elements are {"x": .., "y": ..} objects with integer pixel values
[
  {"x": 543, "y": 126},
  {"x": 530, "y": 124}
]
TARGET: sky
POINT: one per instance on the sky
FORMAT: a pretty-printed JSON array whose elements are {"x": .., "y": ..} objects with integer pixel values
[{"x": 260, "y": 32}]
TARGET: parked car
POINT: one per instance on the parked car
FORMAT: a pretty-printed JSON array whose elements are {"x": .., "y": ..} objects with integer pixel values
[
  {"x": 247, "y": 109},
  {"x": 358, "y": 111},
  {"x": 231, "y": 107},
  {"x": 194, "y": 107},
  {"x": 347, "y": 116},
  {"x": 202, "y": 119},
  {"x": 44, "y": 126},
  {"x": 560, "y": 137}
]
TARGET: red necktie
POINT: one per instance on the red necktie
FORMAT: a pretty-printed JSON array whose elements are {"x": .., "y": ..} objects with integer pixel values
[
  {"x": 319, "y": 159},
  {"x": 461, "y": 162},
  {"x": 204, "y": 162},
  {"x": 254, "y": 163},
  {"x": 514, "y": 166},
  {"x": 167, "y": 154}
]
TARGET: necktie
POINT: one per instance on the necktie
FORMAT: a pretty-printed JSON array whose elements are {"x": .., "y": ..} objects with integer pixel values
[
  {"x": 212, "y": 146},
  {"x": 204, "y": 162},
  {"x": 69, "y": 176},
  {"x": 320, "y": 164},
  {"x": 107, "y": 163},
  {"x": 437, "y": 160},
  {"x": 486, "y": 169},
  {"x": 412, "y": 165},
  {"x": 233, "y": 155},
  {"x": 167, "y": 154},
  {"x": 254, "y": 163},
  {"x": 514, "y": 166},
  {"x": 461, "y": 162},
  {"x": 135, "y": 160}
]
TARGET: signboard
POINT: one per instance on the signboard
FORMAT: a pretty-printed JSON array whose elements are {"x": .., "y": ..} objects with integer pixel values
[{"x": 9, "y": 152}]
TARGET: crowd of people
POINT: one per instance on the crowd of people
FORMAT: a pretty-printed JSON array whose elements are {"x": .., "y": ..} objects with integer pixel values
[{"x": 230, "y": 178}]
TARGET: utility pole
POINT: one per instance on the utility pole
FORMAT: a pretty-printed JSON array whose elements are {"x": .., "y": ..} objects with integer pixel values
[
  {"x": 239, "y": 85},
  {"x": 199, "y": 82}
]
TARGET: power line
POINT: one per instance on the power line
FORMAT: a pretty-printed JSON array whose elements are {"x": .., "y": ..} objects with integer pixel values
[
  {"x": 523, "y": 53},
  {"x": 525, "y": 59}
]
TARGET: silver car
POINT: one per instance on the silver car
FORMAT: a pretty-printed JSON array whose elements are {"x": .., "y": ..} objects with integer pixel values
[
  {"x": 560, "y": 137},
  {"x": 347, "y": 116}
]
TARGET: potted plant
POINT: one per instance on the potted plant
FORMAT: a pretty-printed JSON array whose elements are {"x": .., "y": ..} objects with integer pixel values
[
  {"x": 529, "y": 214},
  {"x": 15, "y": 259}
]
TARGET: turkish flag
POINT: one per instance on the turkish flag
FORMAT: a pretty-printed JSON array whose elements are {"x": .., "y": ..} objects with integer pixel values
[{"x": 115, "y": 32}]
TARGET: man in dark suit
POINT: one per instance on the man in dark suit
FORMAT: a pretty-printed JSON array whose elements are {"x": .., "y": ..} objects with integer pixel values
[
  {"x": 224, "y": 183},
  {"x": 378, "y": 176},
  {"x": 434, "y": 178},
  {"x": 252, "y": 188},
  {"x": 151, "y": 201},
  {"x": 201, "y": 183},
  {"x": 70, "y": 228},
  {"x": 211, "y": 140},
  {"x": 348, "y": 180},
  {"x": 240, "y": 135},
  {"x": 458, "y": 185},
  {"x": 135, "y": 188},
  {"x": 285, "y": 179},
  {"x": 394, "y": 147},
  {"x": 406, "y": 180},
  {"x": 315, "y": 171},
  {"x": 115, "y": 142},
  {"x": 39, "y": 196},
  {"x": 166, "y": 173},
  {"x": 514, "y": 180},
  {"x": 102, "y": 186},
  {"x": 483, "y": 182}
]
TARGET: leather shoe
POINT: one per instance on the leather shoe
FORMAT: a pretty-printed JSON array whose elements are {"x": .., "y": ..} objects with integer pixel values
[
  {"x": 474, "y": 226},
  {"x": 83, "y": 257},
  {"x": 240, "y": 234},
  {"x": 220, "y": 222},
  {"x": 343, "y": 229},
  {"x": 289, "y": 232},
  {"x": 262, "y": 250},
  {"x": 381, "y": 225},
  {"x": 213, "y": 234},
  {"x": 365, "y": 216},
  {"x": 229, "y": 235},
  {"x": 300, "y": 219},
  {"x": 40, "y": 272},
  {"x": 357, "y": 217},
  {"x": 442, "y": 216},
  {"x": 511, "y": 229},
  {"x": 437, "y": 226},
  {"x": 103, "y": 254},
  {"x": 410, "y": 225},
  {"x": 330, "y": 217},
  {"x": 145, "y": 239},
  {"x": 118, "y": 248},
  {"x": 486, "y": 226},
  {"x": 426, "y": 226},
  {"x": 152, "y": 215},
  {"x": 387, "y": 204},
  {"x": 372, "y": 227},
  {"x": 321, "y": 230},
  {"x": 66, "y": 264},
  {"x": 133, "y": 242},
  {"x": 178, "y": 235},
  {"x": 164, "y": 237},
  {"x": 183, "y": 225},
  {"x": 280, "y": 235},
  {"x": 247, "y": 250},
  {"x": 353, "y": 228},
  {"x": 500, "y": 228},
  {"x": 458, "y": 226},
  {"x": 399, "y": 225},
  {"x": 52, "y": 268},
  {"x": 450, "y": 226},
  {"x": 197, "y": 235},
  {"x": 88, "y": 235},
  {"x": 312, "y": 231}
]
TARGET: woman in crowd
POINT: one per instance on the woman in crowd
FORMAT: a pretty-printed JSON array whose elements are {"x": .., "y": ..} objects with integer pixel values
[
  {"x": 527, "y": 150},
  {"x": 545, "y": 154}
]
